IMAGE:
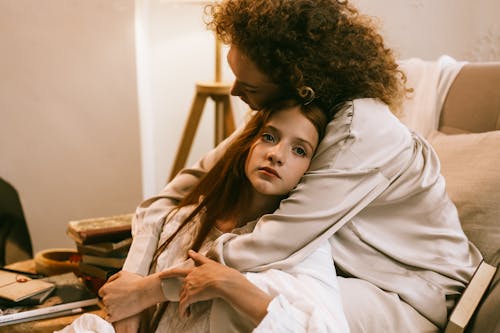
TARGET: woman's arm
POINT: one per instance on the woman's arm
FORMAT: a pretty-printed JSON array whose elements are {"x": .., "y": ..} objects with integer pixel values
[{"x": 365, "y": 147}]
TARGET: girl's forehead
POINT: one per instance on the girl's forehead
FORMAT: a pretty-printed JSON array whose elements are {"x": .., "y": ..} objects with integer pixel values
[
  {"x": 287, "y": 113},
  {"x": 292, "y": 121}
]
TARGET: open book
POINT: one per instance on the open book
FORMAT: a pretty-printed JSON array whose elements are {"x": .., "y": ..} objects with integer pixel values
[{"x": 69, "y": 295}]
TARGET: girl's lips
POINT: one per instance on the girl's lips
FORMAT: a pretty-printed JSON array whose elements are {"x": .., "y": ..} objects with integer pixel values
[{"x": 270, "y": 171}]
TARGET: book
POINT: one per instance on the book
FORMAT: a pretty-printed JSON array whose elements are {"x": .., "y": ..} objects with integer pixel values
[
  {"x": 106, "y": 249},
  {"x": 98, "y": 230},
  {"x": 48, "y": 315},
  {"x": 102, "y": 273},
  {"x": 17, "y": 287},
  {"x": 468, "y": 302},
  {"x": 69, "y": 293},
  {"x": 32, "y": 300},
  {"x": 103, "y": 261}
]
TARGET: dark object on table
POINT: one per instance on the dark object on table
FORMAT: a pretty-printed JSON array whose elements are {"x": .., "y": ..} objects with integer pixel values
[{"x": 15, "y": 241}]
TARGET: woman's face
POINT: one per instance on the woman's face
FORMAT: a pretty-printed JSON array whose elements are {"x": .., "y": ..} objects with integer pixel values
[
  {"x": 253, "y": 86},
  {"x": 282, "y": 153}
]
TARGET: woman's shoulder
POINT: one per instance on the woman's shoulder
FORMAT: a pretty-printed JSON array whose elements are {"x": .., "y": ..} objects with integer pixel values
[
  {"x": 367, "y": 117},
  {"x": 362, "y": 134},
  {"x": 374, "y": 109}
]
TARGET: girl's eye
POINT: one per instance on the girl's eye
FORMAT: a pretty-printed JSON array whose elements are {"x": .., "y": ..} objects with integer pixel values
[
  {"x": 268, "y": 137},
  {"x": 300, "y": 151}
]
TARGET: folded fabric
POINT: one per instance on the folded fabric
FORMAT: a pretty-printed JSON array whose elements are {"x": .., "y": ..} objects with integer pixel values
[
  {"x": 88, "y": 323},
  {"x": 430, "y": 81}
]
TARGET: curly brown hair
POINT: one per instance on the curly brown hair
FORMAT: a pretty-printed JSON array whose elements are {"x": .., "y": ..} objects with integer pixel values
[{"x": 323, "y": 44}]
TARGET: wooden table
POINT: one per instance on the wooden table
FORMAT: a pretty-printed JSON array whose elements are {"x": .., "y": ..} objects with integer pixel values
[{"x": 44, "y": 325}]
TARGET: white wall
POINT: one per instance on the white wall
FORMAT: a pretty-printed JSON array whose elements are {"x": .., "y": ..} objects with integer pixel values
[
  {"x": 69, "y": 121},
  {"x": 174, "y": 50},
  {"x": 177, "y": 51},
  {"x": 463, "y": 29}
]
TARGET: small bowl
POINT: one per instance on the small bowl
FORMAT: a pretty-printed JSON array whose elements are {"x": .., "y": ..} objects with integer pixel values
[{"x": 57, "y": 261}]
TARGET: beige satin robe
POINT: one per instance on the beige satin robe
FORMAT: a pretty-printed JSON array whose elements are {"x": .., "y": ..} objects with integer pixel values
[{"x": 374, "y": 190}]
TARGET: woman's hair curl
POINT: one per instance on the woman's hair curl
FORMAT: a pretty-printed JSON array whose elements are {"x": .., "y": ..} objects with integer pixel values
[{"x": 306, "y": 94}]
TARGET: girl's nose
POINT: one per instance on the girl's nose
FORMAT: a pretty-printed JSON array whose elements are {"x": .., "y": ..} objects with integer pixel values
[{"x": 275, "y": 156}]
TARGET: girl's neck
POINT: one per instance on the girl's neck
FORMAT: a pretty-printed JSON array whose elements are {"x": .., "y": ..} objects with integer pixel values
[{"x": 257, "y": 206}]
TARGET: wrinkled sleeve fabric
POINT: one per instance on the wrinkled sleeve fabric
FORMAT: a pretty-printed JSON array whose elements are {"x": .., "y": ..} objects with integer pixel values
[
  {"x": 150, "y": 215},
  {"x": 306, "y": 297},
  {"x": 364, "y": 148}
]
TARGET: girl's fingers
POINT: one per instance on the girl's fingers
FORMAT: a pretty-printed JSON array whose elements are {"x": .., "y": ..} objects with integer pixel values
[
  {"x": 182, "y": 293},
  {"x": 114, "y": 277},
  {"x": 184, "y": 304}
]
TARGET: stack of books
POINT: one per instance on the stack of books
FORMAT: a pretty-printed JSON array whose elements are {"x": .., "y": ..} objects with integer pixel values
[{"x": 103, "y": 244}]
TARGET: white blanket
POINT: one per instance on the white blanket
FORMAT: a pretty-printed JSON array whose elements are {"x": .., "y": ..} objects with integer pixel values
[
  {"x": 430, "y": 81},
  {"x": 88, "y": 323}
]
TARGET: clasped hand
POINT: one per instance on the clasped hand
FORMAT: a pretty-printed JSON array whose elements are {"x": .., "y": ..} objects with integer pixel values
[{"x": 208, "y": 280}]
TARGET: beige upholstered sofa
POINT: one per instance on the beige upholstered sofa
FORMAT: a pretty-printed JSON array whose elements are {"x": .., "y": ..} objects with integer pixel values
[{"x": 468, "y": 144}]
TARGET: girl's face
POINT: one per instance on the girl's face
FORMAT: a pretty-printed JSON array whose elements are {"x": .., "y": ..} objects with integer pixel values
[
  {"x": 282, "y": 154},
  {"x": 251, "y": 85}
]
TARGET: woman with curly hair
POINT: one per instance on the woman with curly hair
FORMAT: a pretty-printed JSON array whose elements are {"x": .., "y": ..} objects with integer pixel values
[{"x": 373, "y": 189}]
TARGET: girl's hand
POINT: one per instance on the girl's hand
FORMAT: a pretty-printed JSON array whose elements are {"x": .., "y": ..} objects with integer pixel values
[
  {"x": 126, "y": 294},
  {"x": 128, "y": 325},
  {"x": 208, "y": 280}
]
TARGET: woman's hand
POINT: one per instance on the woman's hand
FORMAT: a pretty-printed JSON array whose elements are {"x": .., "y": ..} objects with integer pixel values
[
  {"x": 126, "y": 294},
  {"x": 208, "y": 280}
]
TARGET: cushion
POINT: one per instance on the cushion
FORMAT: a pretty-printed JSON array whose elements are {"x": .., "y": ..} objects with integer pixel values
[{"x": 470, "y": 164}]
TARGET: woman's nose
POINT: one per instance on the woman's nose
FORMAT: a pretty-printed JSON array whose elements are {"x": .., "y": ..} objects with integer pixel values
[{"x": 235, "y": 89}]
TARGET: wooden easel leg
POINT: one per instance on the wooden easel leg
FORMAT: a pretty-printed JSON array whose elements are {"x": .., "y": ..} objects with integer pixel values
[
  {"x": 189, "y": 132},
  {"x": 219, "y": 121},
  {"x": 229, "y": 124},
  {"x": 224, "y": 120}
]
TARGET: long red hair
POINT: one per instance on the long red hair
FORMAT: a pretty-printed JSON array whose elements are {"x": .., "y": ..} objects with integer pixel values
[{"x": 224, "y": 189}]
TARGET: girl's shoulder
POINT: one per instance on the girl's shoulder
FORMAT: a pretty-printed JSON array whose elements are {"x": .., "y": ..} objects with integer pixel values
[{"x": 175, "y": 219}]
